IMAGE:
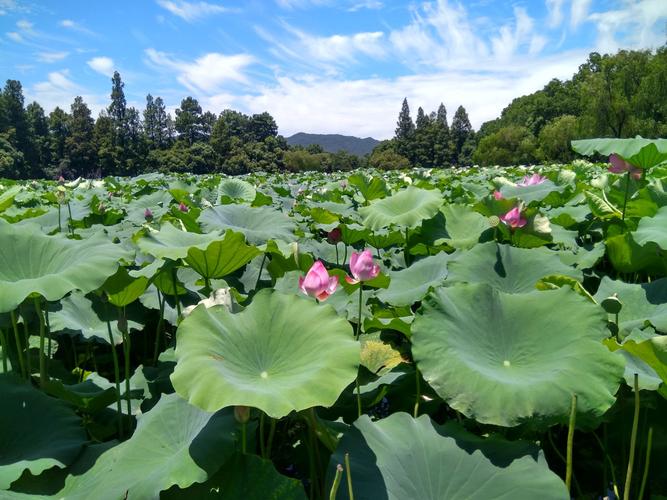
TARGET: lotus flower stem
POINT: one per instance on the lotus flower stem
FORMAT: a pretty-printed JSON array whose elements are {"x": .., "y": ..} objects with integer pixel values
[
  {"x": 159, "y": 328},
  {"x": 348, "y": 474},
  {"x": 633, "y": 442},
  {"x": 70, "y": 224},
  {"x": 262, "y": 449},
  {"x": 116, "y": 372},
  {"x": 406, "y": 253},
  {"x": 358, "y": 332},
  {"x": 17, "y": 339},
  {"x": 570, "y": 442},
  {"x": 418, "y": 389},
  {"x": 26, "y": 339},
  {"x": 627, "y": 192},
  {"x": 122, "y": 324},
  {"x": 261, "y": 267},
  {"x": 272, "y": 432},
  {"x": 3, "y": 343},
  {"x": 243, "y": 438},
  {"x": 612, "y": 467},
  {"x": 336, "y": 245},
  {"x": 43, "y": 376},
  {"x": 174, "y": 282},
  {"x": 334, "y": 487},
  {"x": 647, "y": 462},
  {"x": 48, "y": 336},
  {"x": 60, "y": 226}
]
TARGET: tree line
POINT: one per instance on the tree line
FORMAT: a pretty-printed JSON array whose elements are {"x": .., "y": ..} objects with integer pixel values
[{"x": 611, "y": 95}]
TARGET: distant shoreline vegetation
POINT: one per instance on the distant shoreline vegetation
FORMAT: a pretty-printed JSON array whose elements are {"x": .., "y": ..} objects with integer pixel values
[{"x": 613, "y": 95}]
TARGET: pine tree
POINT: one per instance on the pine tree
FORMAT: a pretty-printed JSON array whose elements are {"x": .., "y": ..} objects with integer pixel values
[
  {"x": 189, "y": 120},
  {"x": 441, "y": 116},
  {"x": 118, "y": 109},
  {"x": 58, "y": 132},
  {"x": 151, "y": 122},
  {"x": 14, "y": 114},
  {"x": 422, "y": 120},
  {"x": 38, "y": 126},
  {"x": 79, "y": 146},
  {"x": 460, "y": 132},
  {"x": 404, "y": 126}
]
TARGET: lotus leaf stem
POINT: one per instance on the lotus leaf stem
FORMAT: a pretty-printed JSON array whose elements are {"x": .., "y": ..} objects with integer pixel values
[
  {"x": 610, "y": 461},
  {"x": 122, "y": 323},
  {"x": 336, "y": 245},
  {"x": 159, "y": 328},
  {"x": 174, "y": 281},
  {"x": 43, "y": 376},
  {"x": 406, "y": 251},
  {"x": 243, "y": 437},
  {"x": 348, "y": 474},
  {"x": 647, "y": 462},
  {"x": 17, "y": 339},
  {"x": 633, "y": 442},
  {"x": 272, "y": 432},
  {"x": 60, "y": 226},
  {"x": 70, "y": 223},
  {"x": 26, "y": 339},
  {"x": 570, "y": 442},
  {"x": 627, "y": 192},
  {"x": 3, "y": 342},
  {"x": 116, "y": 371},
  {"x": 418, "y": 396},
  {"x": 358, "y": 332},
  {"x": 314, "y": 442},
  {"x": 334, "y": 487},
  {"x": 262, "y": 449},
  {"x": 261, "y": 267}
]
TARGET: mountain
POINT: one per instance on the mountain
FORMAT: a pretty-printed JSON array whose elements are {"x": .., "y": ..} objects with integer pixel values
[{"x": 333, "y": 143}]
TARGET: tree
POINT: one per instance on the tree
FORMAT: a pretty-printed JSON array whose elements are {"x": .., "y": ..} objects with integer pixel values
[
  {"x": 460, "y": 132},
  {"x": 40, "y": 153},
  {"x": 422, "y": 120},
  {"x": 404, "y": 126},
  {"x": 554, "y": 139},
  {"x": 16, "y": 129},
  {"x": 59, "y": 130},
  {"x": 118, "y": 109},
  {"x": 261, "y": 126},
  {"x": 151, "y": 122},
  {"x": 79, "y": 146},
  {"x": 189, "y": 121},
  {"x": 508, "y": 146}
]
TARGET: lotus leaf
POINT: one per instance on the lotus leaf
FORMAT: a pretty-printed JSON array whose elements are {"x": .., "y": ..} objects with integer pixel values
[
  {"x": 644, "y": 153},
  {"x": 653, "y": 229},
  {"x": 406, "y": 208},
  {"x": 51, "y": 266},
  {"x": 236, "y": 189},
  {"x": 641, "y": 303},
  {"x": 458, "y": 226},
  {"x": 279, "y": 355},
  {"x": 400, "y": 457},
  {"x": 480, "y": 348},
  {"x": 259, "y": 224},
  {"x": 172, "y": 243}
]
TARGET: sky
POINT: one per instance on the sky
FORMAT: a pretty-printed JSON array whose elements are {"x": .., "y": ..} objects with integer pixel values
[{"x": 319, "y": 66}]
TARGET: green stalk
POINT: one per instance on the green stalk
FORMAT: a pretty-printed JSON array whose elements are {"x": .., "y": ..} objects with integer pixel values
[
  {"x": 70, "y": 223},
  {"x": 160, "y": 325},
  {"x": 17, "y": 339},
  {"x": 356, "y": 336},
  {"x": 243, "y": 437},
  {"x": 336, "y": 245},
  {"x": 334, "y": 487},
  {"x": 126, "y": 355},
  {"x": 116, "y": 371},
  {"x": 272, "y": 432},
  {"x": 418, "y": 384},
  {"x": 647, "y": 462},
  {"x": 405, "y": 250},
  {"x": 43, "y": 376},
  {"x": 570, "y": 442},
  {"x": 174, "y": 280},
  {"x": 26, "y": 338},
  {"x": 315, "y": 444},
  {"x": 262, "y": 449},
  {"x": 610, "y": 463},
  {"x": 627, "y": 192},
  {"x": 633, "y": 442},
  {"x": 3, "y": 341},
  {"x": 348, "y": 474},
  {"x": 261, "y": 267},
  {"x": 60, "y": 226}
]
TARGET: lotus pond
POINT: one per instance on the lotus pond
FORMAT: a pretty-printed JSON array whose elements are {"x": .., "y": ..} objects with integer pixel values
[{"x": 443, "y": 334}]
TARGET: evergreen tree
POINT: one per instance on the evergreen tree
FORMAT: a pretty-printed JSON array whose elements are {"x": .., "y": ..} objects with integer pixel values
[
  {"x": 17, "y": 130},
  {"x": 189, "y": 121},
  {"x": 460, "y": 132},
  {"x": 441, "y": 117},
  {"x": 79, "y": 146},
  {"x": 40, "y": 153},
  {"x": 151, "y": 122},
  {"x": 404, "y": 126},
  {"x": 59, "y": 132},
  {"x": 422, "y": 120},
  {"x": 118, "y": 109},
  {"x": 261, "y": 126}
]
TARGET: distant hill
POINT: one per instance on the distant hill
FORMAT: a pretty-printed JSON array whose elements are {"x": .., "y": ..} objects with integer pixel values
[{"x": 333, "y": 143}]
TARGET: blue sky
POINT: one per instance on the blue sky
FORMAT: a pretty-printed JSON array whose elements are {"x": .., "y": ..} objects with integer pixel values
[{"x": 316, "y": 65}]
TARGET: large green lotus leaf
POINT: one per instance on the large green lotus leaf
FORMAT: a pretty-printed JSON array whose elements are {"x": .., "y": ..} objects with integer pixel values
[
  {"x": 653, "y": 229},
  {"x": 406, "y": 208},
  {"x": 628, "y": 257},
  {"x": 51, "y": 266},
  {"x": 510, "y": 269},
  {"x": 399, "y": 458},
  {"x": 458, "y": 226},
  {"x": 48, "y": 222},
  {"x": 653, "y": 352},
  {"x": 245, "y": 477},
  {"x": 222, "y": 257},
  {"x": 172, "y": 243},
  {"x": 236, "y": 189},
  {"x": 7, "y": 197},
  {"x": 648, "y": 378},
  {"x": 480, "y": 348},
  {"x": 157, "y": 203},
  {"x": 641, "y": 302},
  {"x": 371, "y": 188},
  {"x": 174, "y": 443},
  {"x": 259, "y": 224},
  {"x": 77, "y": 315},
  {"x": 37, "y": 432},
  {"x": 644, "y": 153},
  {"x": 409, "y": 285},
  {"x": 280, "y": 354},
  {"x": 529, "y": 194}
]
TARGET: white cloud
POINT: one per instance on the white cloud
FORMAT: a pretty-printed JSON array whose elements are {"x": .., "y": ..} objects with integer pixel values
[
  {"x": 207, "y": 73},
  {"x": 554, "y": 12},
  {"x": 579, "y": 12},
  {"x": 51, "y": 57},
  {"x": 192, "y": 11},
  {"x": 24, "y": 25},
  {"x": 366, "y": 4},
  {"x": 74, "y": 26},
  {"x": 101, "y": 64},
  {"x": 14, "y": 36},
  {"x": 59, "y": 90}
]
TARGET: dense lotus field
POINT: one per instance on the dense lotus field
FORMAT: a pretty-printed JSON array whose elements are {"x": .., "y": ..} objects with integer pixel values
[{"x": 443, "y": 334}]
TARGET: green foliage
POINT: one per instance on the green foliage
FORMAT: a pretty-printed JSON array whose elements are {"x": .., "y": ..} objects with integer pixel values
[{"x": 509, "y": 145}]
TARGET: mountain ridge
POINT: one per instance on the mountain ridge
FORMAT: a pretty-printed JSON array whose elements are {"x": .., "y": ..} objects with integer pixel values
[{"x": 332, "y": 143}]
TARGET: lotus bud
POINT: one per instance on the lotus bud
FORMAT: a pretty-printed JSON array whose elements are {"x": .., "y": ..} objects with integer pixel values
[
  {"x": 362, "y": 267},
  {"x": 182, "y": 207},
  {"x": 334, "y": 236},
  {"x": 242, "y": 414},
  {"x": 317, "y": 282},
  {"x": 101, "y": 208},
  {"x": 514, "y": 219},
  {"x": 61, "y": 180},
  {"x": 497, "y": 195},
  {"x": 148, "y": 214}
]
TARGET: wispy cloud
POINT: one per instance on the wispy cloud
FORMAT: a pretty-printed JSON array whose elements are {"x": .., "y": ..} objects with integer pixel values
[
  {"x": 579, "y": 12},
  {"x": 59, "y": 90},
  {"x": 14, "y": 36},
  {"x": 51, "y": 57},
  {"x": 193, "y": 11},
  {"x": 74, "y": 26},
  {"x": 554, "y": 12},
  {"x": 208, "y": 73},
  {"x": 367, "y": 4},
  {"x": 102, "y": 64}
]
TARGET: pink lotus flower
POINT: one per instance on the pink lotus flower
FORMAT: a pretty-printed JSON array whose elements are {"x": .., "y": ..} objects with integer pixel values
[
  {"x": 317, "y": 282},
  {"x": 497, "y": 195},
  {"x": 618, "y": 165},
  {"x": 148, "y": 215},
  {"x": 335, "y": 235},
  {"x": 531, "y": 180},
  {"x": 362, "y": 267},
  {"x": 513, "y": 218},
  {"x": 183, "y": 207}
]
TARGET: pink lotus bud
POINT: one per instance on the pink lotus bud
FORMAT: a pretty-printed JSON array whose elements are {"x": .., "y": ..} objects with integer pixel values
[
  {"x": 148, "y": 215},
  {"x": 618, "y": 165},
  {"x": 513, "y": 218},
  {"x": 531, "y": 180},
  {"x": 335, "y": 235},
  {"x": 343, "y": 184},
  {"x": 362, "y": 267},
  {"x": 182, "y": 207},
  {"x": 497, "y": 195},
  {"x": 61, "y": 180},
  {"x": 242, "y": 414},
  {"x": 317, "y": 282}
]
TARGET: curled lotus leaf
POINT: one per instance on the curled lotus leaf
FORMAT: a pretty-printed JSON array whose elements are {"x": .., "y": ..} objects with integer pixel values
[{"x": 407, "y": 208}]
